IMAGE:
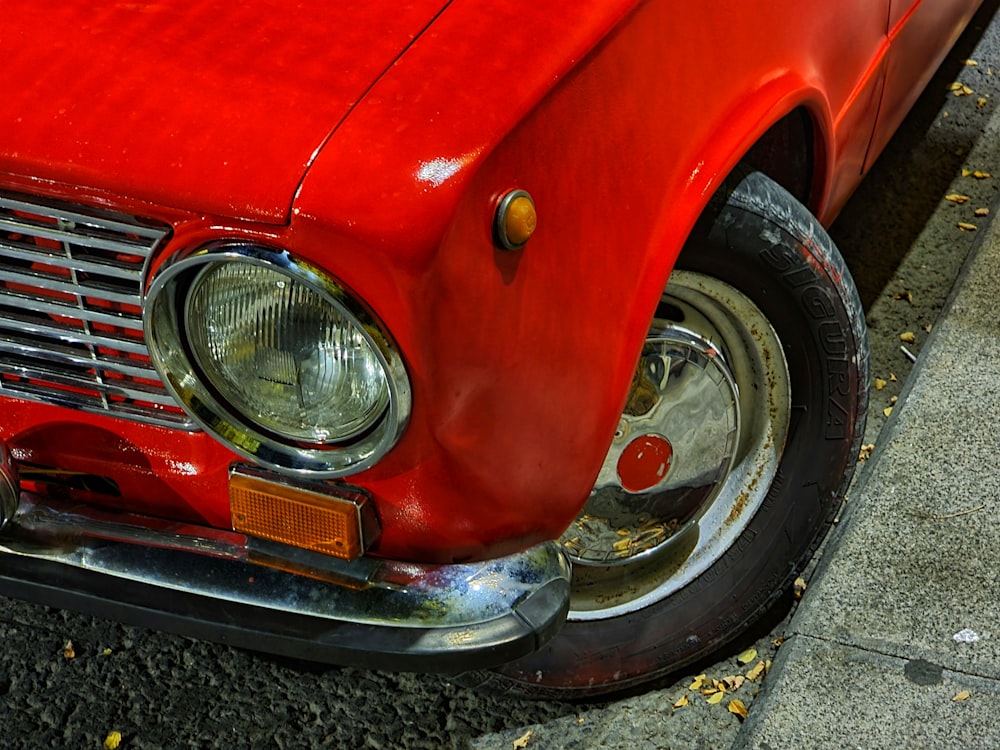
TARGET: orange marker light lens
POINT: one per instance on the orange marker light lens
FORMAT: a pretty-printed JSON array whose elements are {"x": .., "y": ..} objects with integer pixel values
[
  {"x": 516, "y": 220},
  {"x": 521, "y": 220},
  {"x": 299, "y": 517}
]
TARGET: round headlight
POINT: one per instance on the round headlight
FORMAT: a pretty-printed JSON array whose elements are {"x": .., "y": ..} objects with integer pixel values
[
  {"x": 276, "y": 359},
  {"x": 283, "y": 355}
]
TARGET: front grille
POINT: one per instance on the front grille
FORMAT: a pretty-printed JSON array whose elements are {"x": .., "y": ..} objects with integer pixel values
[{"x": 70, "y": 310}]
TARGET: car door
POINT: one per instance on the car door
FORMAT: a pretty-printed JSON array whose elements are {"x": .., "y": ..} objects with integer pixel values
[{"x": 920, "y": 34}]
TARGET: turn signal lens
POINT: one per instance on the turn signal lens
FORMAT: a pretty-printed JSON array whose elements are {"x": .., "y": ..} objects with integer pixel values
[{"x": 333, "y": 523}]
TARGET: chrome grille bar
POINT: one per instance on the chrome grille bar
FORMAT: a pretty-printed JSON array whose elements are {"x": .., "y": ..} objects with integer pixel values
[{"x": 70, "y": 310}]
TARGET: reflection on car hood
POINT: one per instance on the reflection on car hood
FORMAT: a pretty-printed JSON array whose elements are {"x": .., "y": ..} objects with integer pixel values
[{"x": 202, "y": 104}]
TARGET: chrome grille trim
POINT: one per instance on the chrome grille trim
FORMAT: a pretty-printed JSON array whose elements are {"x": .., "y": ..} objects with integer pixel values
[{"x": 71, "y": 310}]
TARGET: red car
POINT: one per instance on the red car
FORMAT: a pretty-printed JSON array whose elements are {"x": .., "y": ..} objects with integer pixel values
[{"x": 501, "y": 340}]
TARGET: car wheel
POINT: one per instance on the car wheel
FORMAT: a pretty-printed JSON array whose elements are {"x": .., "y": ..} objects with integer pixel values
[{"x": 738, "y": 438}]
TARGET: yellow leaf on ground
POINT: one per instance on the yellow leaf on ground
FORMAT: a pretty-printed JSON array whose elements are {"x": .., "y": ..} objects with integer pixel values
[
  {"x": 747, "y": 656},
  {"x": 112, "y": 741},
  {"x": 956, "y": 198},
  {"x": 716, "y": 698},
  {"x": 982, "y": 212},
  {"x": 756, "y": 672},
  {"x": 887, "y": 411},
  {"x": 879, "y": 384},
  {"x": 962, "y": 696},
  {"x": 698, "y": 683},
  {"x": 734, "y": 682},
  {"x": 907, "y": 337},
  {"x": 799, "y": 587},
  {"x": 68, "y": 651},
  {"x": 522, "y": 742},
  {"x": 966, "y": 226},
  {"x": 682, "y": 701},
  {"x": 736, "y": 707},
  {"x": 960, "y": 89}
]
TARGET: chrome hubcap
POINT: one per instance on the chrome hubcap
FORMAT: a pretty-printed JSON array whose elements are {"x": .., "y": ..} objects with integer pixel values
[{"x": 695, "y": 452}]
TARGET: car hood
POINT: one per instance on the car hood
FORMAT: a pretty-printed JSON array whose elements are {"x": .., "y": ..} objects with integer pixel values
[{"x": 211, "y": 106}]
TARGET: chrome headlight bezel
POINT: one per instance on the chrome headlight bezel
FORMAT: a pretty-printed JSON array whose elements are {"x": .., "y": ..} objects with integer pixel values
[{"x": 164, "y": 323}]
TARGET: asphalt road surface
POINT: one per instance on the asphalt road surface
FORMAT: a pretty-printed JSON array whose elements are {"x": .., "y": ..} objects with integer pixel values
[{"x": 68, "y": 681}]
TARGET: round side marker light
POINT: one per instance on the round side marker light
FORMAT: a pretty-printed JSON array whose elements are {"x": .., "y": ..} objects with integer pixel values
[{"x": 515, "y": 221}]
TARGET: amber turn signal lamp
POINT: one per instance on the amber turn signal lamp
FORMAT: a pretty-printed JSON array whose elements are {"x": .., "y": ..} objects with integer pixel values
[
  {"x": 515, "y": 221},
  {"x": 334, "y": 522}
]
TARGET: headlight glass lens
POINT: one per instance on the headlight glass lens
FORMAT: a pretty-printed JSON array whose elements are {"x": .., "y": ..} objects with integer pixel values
[{"x": 283, "y": 355}]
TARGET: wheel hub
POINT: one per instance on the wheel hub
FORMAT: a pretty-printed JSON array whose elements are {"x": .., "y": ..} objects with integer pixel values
[
  {"x": 675, "y": 445},
  {"x": 696, "y": 450}
]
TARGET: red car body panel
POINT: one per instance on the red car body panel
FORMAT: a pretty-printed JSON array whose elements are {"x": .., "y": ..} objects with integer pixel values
[
  {"x": 520, "y": 362},
  {"x": 127, "y": 98}
]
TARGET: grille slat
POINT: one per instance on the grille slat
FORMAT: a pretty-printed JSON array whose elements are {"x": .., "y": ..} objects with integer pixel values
[
  {"x": 100, "y": 222},
  {"x": 16, "y": 323},
  {"x": 66, "y": 356},
  {"x": 71, "y": 310},
  {"x": 29, "y": 253},
  {"x": 67, "y": 286},
  {"x": 34, "y": 379},
  {"x": 52, "y": 306}
]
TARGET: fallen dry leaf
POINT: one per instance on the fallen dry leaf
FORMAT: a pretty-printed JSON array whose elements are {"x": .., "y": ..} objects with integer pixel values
[
  {"x": 928, "y": 327},
  {"x": 756, "y": 672},
  {"x": 866, "y": 451},
  {"x": 960, "y": 89},
  {"x": 979, "y": 174},
  {"x": 970, "y": 62},
  {"x": 736, "y": 707},
  {"x": 879, "y": 384},
  {"x": 905, "y": 294},
  {"x": 887, "y": 411},
  {"x": 799, "y": 587},
  {"x": 747, "y": 656},
  {"x": 982, "y": 212},
  {"x": 522, "y": 742},
  {"x": 681, "y": 702},
  {"x": 68, "y": 651},
  {"x": 734, "y": 682},
  {"x": 957, "y": 198},
  {"x": 966, "y": 226},
  {"x": 962, "y": 696},
  {"x": 113, "y": 740},
  {"x": 716, "y": 698},
  {"x": 698, "y": 683},
  {"x": 907, "y": 337},
  {"x": 893, "y": 378},
  {"x": 981, "y": 102}
]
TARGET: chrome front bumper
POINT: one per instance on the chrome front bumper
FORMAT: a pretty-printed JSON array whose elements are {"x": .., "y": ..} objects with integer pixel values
[{"x": 209, "y": 584}]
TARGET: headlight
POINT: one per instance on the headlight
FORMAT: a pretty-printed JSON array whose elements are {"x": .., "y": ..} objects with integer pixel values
[{"x": 276, "y": 359}]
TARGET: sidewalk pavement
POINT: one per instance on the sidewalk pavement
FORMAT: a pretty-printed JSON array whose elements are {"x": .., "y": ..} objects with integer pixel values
[{"x": 896, "y": 644}]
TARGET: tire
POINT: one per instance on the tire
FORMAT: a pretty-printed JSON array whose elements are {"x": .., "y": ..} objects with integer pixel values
[{"x": 759, "y": 261}]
